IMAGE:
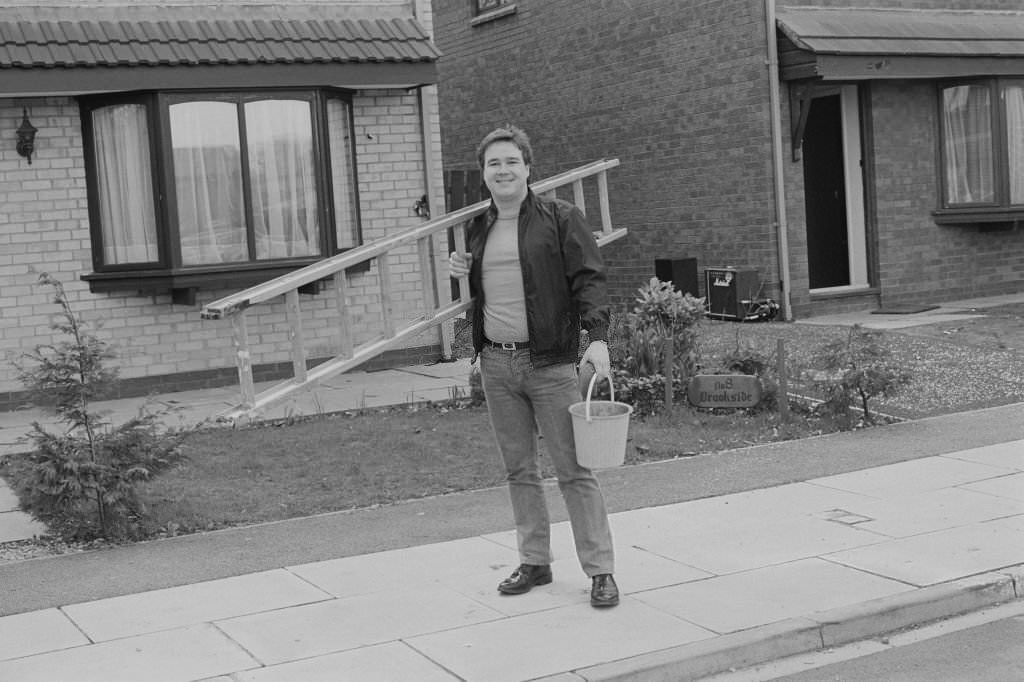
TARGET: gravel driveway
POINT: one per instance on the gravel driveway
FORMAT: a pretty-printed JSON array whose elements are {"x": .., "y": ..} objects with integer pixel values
[{"x": 956, "y": 366}]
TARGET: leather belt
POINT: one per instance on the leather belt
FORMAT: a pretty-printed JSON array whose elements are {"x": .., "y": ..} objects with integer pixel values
[{"x": 508, "y": 345}]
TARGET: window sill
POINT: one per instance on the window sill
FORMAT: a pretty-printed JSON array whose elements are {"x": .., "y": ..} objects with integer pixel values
[
  {"x": 182, "y": 285},
  {"x": 985, "y": 218},
  {"x": 505, "y": 11}
]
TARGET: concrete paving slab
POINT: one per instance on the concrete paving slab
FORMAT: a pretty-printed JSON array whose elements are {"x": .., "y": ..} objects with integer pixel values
[
  {"x": 381, "y": 663},
  {"x": 1006, "y": 455},
  {"x": 443, "y": 561},
  {"x": 944, "y": 555},
  {"x": 552, "y": 642},
  {"x": 15, "y": 525},
  {"x": 933, "y": 510},
  {"x": 569, "y": 588},
  {"x": 341, "y": 624},
  {"x": 8, "y": 500},
  {"x": 720, "y": 546},
  {"x": 766, "y": 595},
  {"x": 645, "y": 569},
  {"x": 1010, "y": 487},
  {"x": 36, "y": 632},
  {"x": 898, "y": 480},
  {"x": 181, "y": 655},
  {"x": 175, "y": 607},
  {"x": 791, "y": 499},
  {"x": 460, "y": 370}
]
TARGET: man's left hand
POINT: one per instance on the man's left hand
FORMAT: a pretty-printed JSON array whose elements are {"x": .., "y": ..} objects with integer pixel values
[{"x": 597, "y": 355}]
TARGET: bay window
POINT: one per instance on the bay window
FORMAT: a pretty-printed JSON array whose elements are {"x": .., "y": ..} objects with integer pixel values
[
  {"x": 197, "y": 189},
  {"x": 982, "y": 151}
]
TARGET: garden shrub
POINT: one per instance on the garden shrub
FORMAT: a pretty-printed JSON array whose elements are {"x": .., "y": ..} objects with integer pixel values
[
  {"x": 82, "y": 482},
  {"x": 855, "y": 370},
  {"x": 637, "y": 346}
]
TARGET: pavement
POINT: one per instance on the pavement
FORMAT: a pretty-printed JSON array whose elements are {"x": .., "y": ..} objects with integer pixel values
[{"x": 724, "y": 562}]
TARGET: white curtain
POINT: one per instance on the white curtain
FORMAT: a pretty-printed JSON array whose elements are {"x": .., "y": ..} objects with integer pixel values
[
  {"x": 208, "y": 182},
  {"x": 1015, "y": 141},
  {"x": 342, "y": 176},
  {"x": 279, "y": 140},
  {"x": 125, "y": 188},
  {"x": 968, "y": 146}
]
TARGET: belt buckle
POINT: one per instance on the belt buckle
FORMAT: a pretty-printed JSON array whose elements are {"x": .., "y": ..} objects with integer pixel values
[{"x": 508, "y": 346}]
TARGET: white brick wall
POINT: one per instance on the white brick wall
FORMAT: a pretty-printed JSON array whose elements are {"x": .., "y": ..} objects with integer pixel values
[{"x": 44, "y": 227}]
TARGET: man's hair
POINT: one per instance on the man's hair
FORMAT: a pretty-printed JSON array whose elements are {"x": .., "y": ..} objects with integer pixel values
[{"x": 507, "y": 133}]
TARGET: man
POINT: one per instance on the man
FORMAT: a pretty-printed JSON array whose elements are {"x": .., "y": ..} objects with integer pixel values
[{"x": 536, "y": 275}]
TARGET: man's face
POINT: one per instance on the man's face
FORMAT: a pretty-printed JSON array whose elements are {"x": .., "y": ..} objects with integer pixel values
[{"x": 505, "y": 172}]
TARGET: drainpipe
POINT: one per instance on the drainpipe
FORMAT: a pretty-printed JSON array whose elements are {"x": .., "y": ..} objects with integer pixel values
[
  {"x": 781, "y": 222},
  {"x": 426, "y": 97}
]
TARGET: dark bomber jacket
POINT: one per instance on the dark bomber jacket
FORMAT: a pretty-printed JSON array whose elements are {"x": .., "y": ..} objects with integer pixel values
[{"x": 563, "y": 278}]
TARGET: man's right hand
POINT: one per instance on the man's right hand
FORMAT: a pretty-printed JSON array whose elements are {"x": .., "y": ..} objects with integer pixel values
[{"x": 458, "y": 264}]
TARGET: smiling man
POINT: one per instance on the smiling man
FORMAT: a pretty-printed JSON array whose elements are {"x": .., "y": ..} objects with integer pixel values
[{"x": 537, "y": 278}]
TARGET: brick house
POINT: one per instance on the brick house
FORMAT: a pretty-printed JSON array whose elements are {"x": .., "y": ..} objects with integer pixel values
[
  {"x": 184, "y": 150},
  {"x": 852, "y": 158}
]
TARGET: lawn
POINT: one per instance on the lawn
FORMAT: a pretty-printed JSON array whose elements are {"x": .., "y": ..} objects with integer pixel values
[{"x": 373, "y": 457}]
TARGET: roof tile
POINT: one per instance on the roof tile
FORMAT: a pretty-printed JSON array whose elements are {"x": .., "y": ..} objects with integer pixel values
[{"x": 162, "y": 36}]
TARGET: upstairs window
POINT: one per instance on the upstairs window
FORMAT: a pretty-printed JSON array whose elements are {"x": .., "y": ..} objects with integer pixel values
[
  {"x": 485, "y": 6},
  {"x": 217, "y": 189},
  {"x": 982, "y": 148},
  {"x": 485, "y": 11}
]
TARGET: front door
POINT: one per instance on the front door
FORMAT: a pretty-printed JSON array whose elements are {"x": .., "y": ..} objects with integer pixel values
[{"x": 833, "y": 191}]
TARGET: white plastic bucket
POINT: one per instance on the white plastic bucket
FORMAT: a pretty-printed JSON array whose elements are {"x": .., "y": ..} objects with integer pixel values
[{"x": 600, "y": 428}]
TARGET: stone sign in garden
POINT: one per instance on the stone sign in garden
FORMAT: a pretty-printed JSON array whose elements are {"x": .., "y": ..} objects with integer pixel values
[{"x": 724, "y": 390}]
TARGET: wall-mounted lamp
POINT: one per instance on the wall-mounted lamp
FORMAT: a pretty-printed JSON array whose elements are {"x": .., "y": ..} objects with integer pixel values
[
  {"x": 422, "y": 207},
  {"x": 26, "y": 137}
]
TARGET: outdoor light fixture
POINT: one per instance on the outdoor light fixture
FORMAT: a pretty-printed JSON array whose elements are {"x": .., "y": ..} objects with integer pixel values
[
  {"x": 422, "y": 207},
  {"x": 26, "y": 137}
]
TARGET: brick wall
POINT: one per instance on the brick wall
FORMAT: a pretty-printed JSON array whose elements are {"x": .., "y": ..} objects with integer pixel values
[
  {"x": 44, "y": 226},
  {"x": 676, "y": 90},
  {"x": 917, "y": 257},
  {"x": 917, "y": 260}
]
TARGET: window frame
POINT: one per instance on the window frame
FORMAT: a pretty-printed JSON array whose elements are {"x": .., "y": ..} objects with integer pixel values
[
  {"x": 999, "y": 210},
  {"x": 168, "y": 274},
  {"x": 482, "y": 16}
]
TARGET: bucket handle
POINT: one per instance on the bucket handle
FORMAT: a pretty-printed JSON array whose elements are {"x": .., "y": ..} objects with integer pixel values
[{"x": 590, "y": 390}]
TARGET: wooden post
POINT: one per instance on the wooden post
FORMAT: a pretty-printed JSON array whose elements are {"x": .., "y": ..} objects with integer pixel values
[
  {"x": 783, "y": 396},
  {"x": 667, "y": 370}
]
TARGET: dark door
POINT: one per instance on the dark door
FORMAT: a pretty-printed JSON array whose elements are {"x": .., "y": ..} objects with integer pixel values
[{"x": 828, "y": 261}]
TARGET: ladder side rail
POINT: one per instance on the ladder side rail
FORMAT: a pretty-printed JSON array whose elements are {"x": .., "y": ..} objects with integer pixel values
[
  {"x": 325, "y": 370},
  {"x": 278, "y": 286},
  {"x": 236, "y": 306},
  {"x": 606, "y": 212}
]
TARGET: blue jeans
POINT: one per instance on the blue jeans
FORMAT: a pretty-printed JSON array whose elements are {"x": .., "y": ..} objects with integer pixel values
[{"x": 520, "y": 400}]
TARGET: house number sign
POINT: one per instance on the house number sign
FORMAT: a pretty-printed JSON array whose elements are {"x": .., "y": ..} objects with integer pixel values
[{"x": 724, "y": 390}]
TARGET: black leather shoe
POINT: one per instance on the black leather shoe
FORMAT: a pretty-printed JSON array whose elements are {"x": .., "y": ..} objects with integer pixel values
[
  {"x": 524, "y": 578},
  {"x": 604, "y": 591}
]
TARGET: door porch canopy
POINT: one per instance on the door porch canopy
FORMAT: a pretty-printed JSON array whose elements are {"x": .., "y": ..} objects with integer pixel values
[
  {"x": 73, "y": 50},
  {"x": 861, "y": 44},
  {"x": 819, "y": 47}
]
